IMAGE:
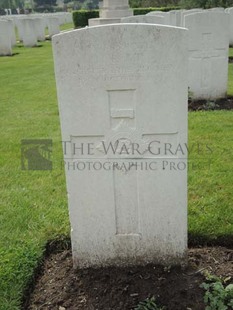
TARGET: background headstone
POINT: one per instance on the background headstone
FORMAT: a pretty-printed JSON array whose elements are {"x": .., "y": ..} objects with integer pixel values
[
  {"x": 53, "y": 25},
  {"x": 39, "y": 28},
  {"x": 12, "y": 30},
  {"x": 5, "y": 40},
  {"x": 166, "y": 16},
  {"x": 208, "y": 54},
  {"x": 188, "y": 12},
  {"x": 144, "y": 19},
  {"x": 29, "y": 36},
  {"x": 133, "y": 92},
  {"x": 230, "y": 11}
]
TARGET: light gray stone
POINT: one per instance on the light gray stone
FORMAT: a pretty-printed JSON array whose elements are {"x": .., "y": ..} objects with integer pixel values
[
  {"x": 53, "y": 25},
  {"x": 230, "y": 11},
  {"x": 12, "y": 30},
  {"x": 39, "y": 26},
  {"x": 5, "y": 41},
  {"x": 103, "y": 21},
  {"x": 177, "y": 17},
  {"x": 166, "y": 16},
  {"x": 19, "y": 25},
  {"x": 143, "y": 19},
  {"x": 112, "y": 12},
  {"x": 217, "y": 9},
  {"x": 68, "y": 17},
  {"x": 124, "y": 86},
  {"x": 188, "y": 12},
  {"x": 29, "y": 36},
  {"x": 208, "y": 54},
  {"x": 173, "y": 17}
]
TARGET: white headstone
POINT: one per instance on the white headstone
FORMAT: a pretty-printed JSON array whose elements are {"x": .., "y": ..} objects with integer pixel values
[
  {"x": 29, "y": 36},
  {"x": 5, "y": 41},
  {"x": 12, "y": 30},
  {"x": 230, "y": 11},
  {"x": 173, "y": 17},
  {"x": 68, "y": 17},
  {"x": 143, "y": 19},
  {"x": 166, "y": 16},
  {"x": 188, "y": 12},
  {"x": 39, "y": 28},
  {"x": 128, "y": 207},
  {"x": 208, "y": 54},
  {"x": 53, "y": 25},
  {"x": 19, "y": 25},
  {"x": 177, "y": 17},
  {"x": 217, "y": 9}
]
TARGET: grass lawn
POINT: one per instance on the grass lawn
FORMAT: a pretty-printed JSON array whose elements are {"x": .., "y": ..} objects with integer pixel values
[
  {"x": 67, "y": 26},
  {"x": 33, "y": 205},
  {"x": 231, "y": 51},
  {"x": 230, "y": 80}
]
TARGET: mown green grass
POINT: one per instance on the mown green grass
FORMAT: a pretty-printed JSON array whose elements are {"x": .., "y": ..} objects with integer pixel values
[
  {"x": 210, "y": 175},
  {"x": 33, "y": 205},
  {"x": 67, "y": 26},
  {"x": 231, "y": 51},
  {"x": 230, "y": 80}
]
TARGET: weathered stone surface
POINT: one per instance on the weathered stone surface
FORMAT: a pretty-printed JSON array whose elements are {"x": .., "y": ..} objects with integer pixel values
[
  {"x": 112, "y": 12},
  {"x": 12, "y": 30},
  {"x": 39, "y": 26},
  {"x": 53, "y": 25},
  {"x": 143, "y": 19},
  {"x": 208, "y": 54},
  {"x": 29, "y": 36},
  {"x": 5, "y": 41},
  {"x": 166, "y": 16},
  {"x": 230, "y": 11},
  {"x": 188, "y": 12},
  {"x": 122, "y": 87}
]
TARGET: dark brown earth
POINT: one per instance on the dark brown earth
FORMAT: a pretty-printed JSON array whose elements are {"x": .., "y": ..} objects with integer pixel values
[
  {"x": 219, "y": 104},
  {"x": 61, "y": 287},
  {"x": 230, "y": 59}
]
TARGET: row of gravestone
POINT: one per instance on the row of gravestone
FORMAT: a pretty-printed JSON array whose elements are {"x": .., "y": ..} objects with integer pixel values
[
  {"x": 210, "y": 33},
  {"x": 177, "y": 18},
  {"x": 30, "y": 29}
]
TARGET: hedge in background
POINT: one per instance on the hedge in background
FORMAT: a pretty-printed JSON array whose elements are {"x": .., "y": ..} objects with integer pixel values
[
  {"x": 143, "y": 11},
  {"x": 81, "y": 17}
]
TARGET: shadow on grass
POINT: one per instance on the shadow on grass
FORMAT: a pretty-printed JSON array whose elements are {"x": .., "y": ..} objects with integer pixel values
[
  {"x": 35, "y": 46},
  {"x": 196, "y": 240},
  {"x": 13, "y": 54}
]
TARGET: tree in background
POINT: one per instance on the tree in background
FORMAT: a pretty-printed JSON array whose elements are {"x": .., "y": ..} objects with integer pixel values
[
  {"x": 11, "y": 4},
  {"x": 205, "y": 4},
  {"x": 44, "y": 3},
  {"x": 152, "y": 3},
  {"x": 90, "y": 4}
]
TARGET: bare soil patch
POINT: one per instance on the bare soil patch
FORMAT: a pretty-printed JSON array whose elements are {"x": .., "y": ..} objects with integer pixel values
[
  {"x": 61, "y": 287},
  {"x": 219, "y": 104}
]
